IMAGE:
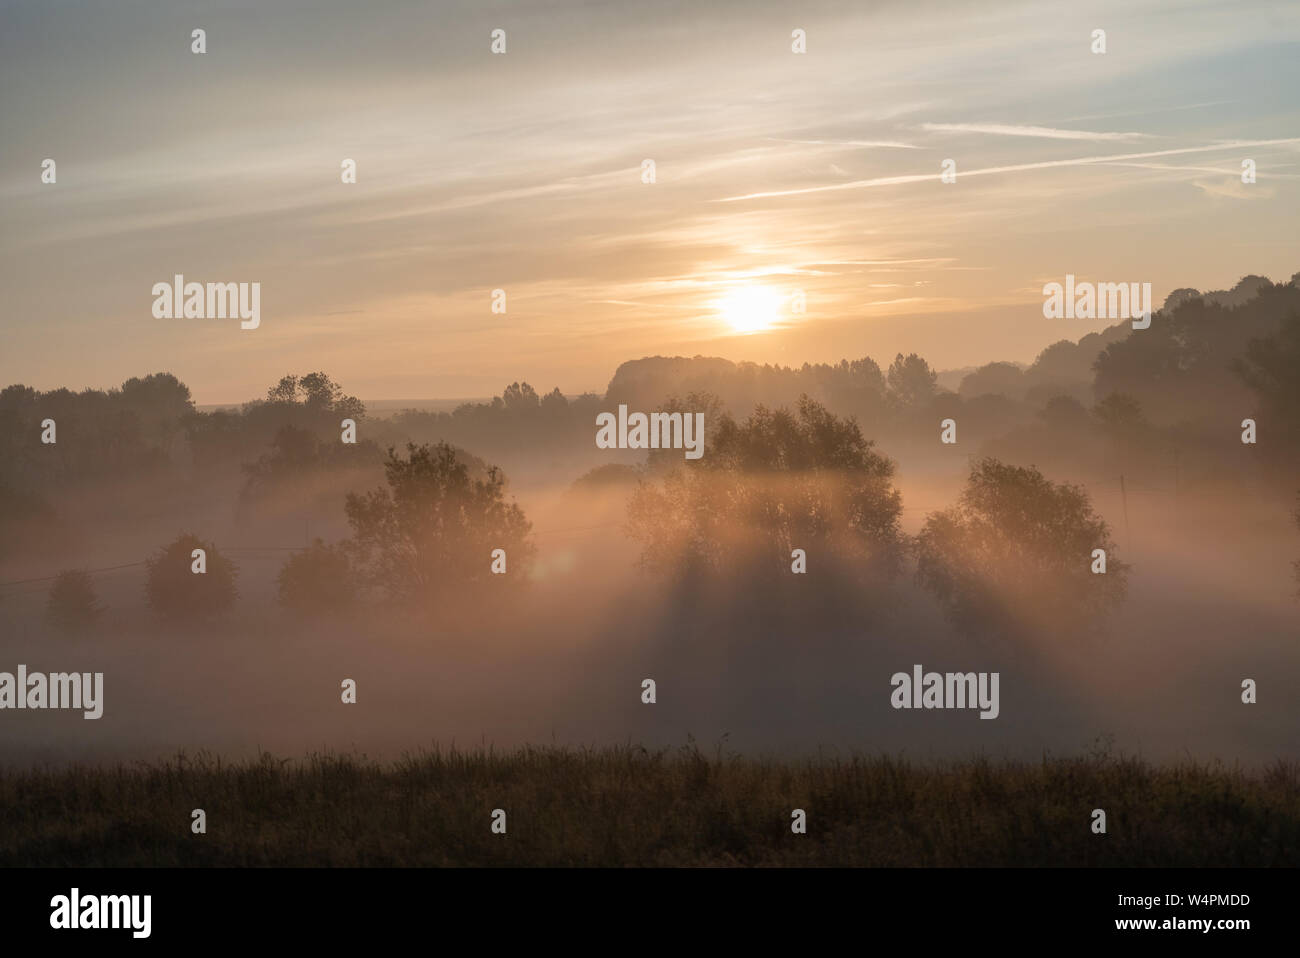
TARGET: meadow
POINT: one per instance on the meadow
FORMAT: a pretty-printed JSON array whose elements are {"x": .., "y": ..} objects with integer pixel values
[{"x": 629, "y": 806}]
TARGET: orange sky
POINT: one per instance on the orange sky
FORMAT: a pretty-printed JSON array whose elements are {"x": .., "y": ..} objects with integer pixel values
[{"x": 775, "y": 173}]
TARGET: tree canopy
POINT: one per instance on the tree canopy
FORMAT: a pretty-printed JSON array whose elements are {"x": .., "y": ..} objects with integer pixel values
[
  {"x": 1014, "y": 557},
  {"x": 776, "y": 482},
  {"x": 434, "y": 528}
]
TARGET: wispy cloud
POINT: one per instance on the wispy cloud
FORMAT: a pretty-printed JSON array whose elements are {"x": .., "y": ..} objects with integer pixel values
[
  {"x": 1234, "y": 189},
  {"x": 1014, "y": 168},
  {"x": 852, "y": 144},
  {"x": 884, "y": 262},
  {"x": 628, "y": 302},
  {"x": 1176, "y": 168},
  {"x": 1151, "y": 111},
  {"x": 1039, "y": 132}
]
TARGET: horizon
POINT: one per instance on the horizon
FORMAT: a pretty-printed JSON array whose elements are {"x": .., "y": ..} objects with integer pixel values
[
  {"x": 776, "y": 176},
  {"x": 391, "y": 402}
]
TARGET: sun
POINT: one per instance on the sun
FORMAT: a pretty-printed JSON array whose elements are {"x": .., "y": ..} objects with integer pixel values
[{"x": 750, "y": 309}]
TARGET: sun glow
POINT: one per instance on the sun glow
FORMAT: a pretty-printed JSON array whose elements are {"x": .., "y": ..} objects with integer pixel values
[{"x": 750, "y": 309}]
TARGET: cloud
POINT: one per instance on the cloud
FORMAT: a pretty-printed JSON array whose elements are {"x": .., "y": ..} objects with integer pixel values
[
  {"x": 1152, "y": 111},
  {"x": 853, "y": 144},
  {"x": 1040, "y": 132},
  {"x": 1015, "y": 168},
  {"x": 628, "y": 302},
  {"x": 1233, "y": 188}
]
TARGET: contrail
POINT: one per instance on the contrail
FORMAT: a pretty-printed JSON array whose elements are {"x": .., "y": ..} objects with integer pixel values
[
  {"x": 1041, "y": 132},
  {"x": 1046, "y": 164}
]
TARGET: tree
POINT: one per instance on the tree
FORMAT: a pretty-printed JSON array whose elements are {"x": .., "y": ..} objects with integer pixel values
[
  {"x": 1178, "y": 297},
  {"x": 520, "y": 397},
  {"x": 297, "y": 454},
  {"x": 1004, "y": 379},
  {"x": 911, "y": 381},
  {"x": 776, "y": 482},
  {"x": 1271, "y": 368},
  {"x": 160, "y": 402},
  {"x": 72, "y": 605},
  {"x": 318, "y": 394},
  {"x": 1181, "y": 368},
  {"x": 318, "y": 580},
  {"x": 1121, "y": 417},
  {"x": 176, "y": 591},
  {"x": 554, "y": 404},
  {"x": 1065, "y": 414},
  {"x": 432, "y": 532},
  {"x": 706, "y": 403},
  {"x": 26, "y": 519},
  {"x": 1015, "y": 557}
]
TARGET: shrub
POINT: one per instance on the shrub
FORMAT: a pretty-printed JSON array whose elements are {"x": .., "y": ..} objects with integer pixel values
[
  {"x": 317, "y": 580},
  {"x": 175, "y": 591},
  {"x": 72, "y": 605}
]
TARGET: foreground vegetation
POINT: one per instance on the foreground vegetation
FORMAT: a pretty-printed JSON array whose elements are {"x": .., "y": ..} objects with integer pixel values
[{"x": 629, "y": 806}]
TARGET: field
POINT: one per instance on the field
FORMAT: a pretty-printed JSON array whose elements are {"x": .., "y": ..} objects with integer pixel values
[{"x": 627, "y": 806}]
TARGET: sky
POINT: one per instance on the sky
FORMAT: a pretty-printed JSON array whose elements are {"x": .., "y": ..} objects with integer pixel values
[{"x": 776, "y": 174}]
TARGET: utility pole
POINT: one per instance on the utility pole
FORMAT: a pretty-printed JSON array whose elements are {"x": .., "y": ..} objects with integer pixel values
[
  {"x": 1178, "y": 454},
  {"x": 1123, "y": 495}
]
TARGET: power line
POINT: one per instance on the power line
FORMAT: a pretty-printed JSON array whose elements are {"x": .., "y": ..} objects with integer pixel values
[
  {"x": 234, "y": 549},
  {"x": 49, "y": 578}
]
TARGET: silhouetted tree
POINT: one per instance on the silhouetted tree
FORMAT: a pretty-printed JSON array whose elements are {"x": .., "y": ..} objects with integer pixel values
[
  {"x": 520, "y": 397},
  {"x": 1120, "y": 416},
  {"x": 1065, "y": 414},
  {"x": 911, "y": 381},
  {"x": 175, "y": 591},
  {"x": 1181, "y": 368},
  {"x": 554, "y": 404},
  {"x": 318, "y": 395},
  {"x": 297, "y": 454},
  {"x": 706, "y": 403},
  {"x": 1004, "y": 379},
  {"x": 1271, "y": 368},
  {"x": 1014, "y": 557},
  {"x": 161, "y": 403},
  {"x": 316, "y": 391},
  {"x": 317, "y": 581},
  {"x": 26, "y": 518},
  {"x": 776, "y": 482},
  {"x": 1180, "y": 296},
  {"x": 72, "y": 605},
  {"x": 432, "y": 532}
]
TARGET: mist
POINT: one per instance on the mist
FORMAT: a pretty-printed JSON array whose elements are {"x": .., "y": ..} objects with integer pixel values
[{"x": 752, "y": 663}]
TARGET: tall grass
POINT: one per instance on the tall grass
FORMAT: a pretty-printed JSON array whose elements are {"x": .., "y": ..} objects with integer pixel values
[{"x": 627, "y": 806}]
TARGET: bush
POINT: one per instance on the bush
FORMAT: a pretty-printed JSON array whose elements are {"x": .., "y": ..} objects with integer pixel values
[
  {"x": 72, "y": 605},
  {"x": 175, "y": 591},
  {"x": 317, "y": 580}
]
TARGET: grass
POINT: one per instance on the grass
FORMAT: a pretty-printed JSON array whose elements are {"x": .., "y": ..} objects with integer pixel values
[{"x": 629, "y": 806}]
